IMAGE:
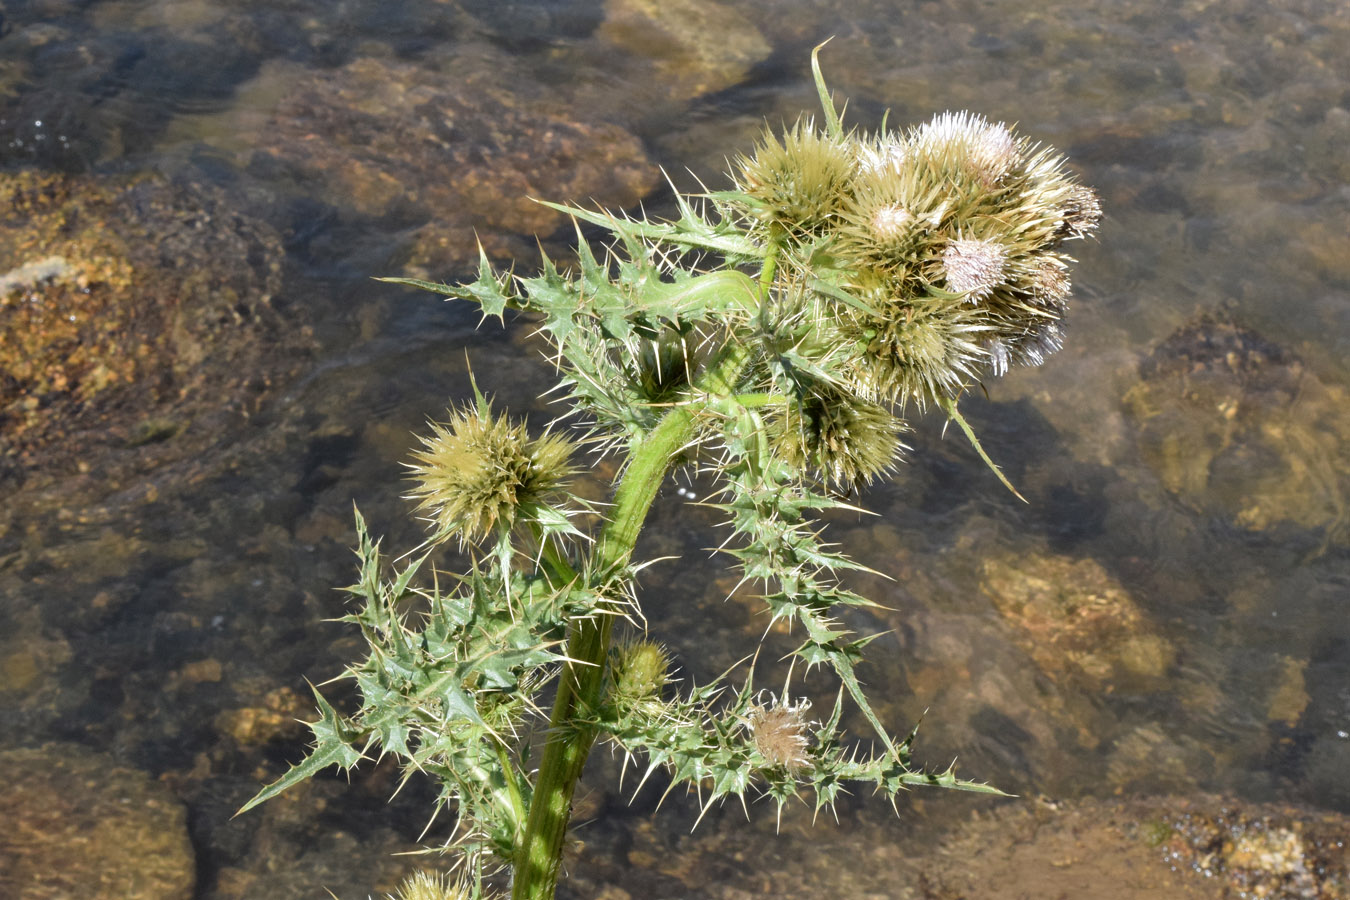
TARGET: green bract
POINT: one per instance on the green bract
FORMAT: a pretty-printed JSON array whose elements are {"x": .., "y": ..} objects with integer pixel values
[{"x": 773, "y": 335}]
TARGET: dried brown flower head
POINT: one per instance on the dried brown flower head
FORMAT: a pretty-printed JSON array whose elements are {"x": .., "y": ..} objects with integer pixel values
[
  {"x": 779, "y": 730},
  {"x": 1082, "y": 212}
]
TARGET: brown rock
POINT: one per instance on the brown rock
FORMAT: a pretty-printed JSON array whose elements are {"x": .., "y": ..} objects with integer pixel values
[
  {"x": 459, "y": 147},
  {"x": 277, "y": 715},
  {"x": 677, "y": 36},
  {"x": 1236, "y": 425},
  {"x": 1073, "y": 618},
  {"x": 76, "y": 824},
  {"x": 124, "y": 303}
]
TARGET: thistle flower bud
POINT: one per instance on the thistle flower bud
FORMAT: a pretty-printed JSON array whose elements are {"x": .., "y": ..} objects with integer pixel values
[
  {"x": 476, "y": 475},
  {"x": 848, "y": 441},
  {"x": 921, "y": 350},
  {"x": 800, "y": 184},
  {"x": 638, "y": 671},
  {"x": 423, "y": 885},
  {"x": 779, "y": 730},
  {"x": 664, "y": 365}
]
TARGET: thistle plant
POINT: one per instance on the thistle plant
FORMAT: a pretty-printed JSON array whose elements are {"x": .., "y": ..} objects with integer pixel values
[{"x": 773, "y": 336}]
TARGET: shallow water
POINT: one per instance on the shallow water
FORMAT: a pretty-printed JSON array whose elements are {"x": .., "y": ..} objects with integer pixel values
[{"x": 169, "y": 617}]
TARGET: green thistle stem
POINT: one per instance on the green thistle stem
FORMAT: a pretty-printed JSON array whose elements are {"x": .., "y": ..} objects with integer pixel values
[{"x": 539, "y": 854}]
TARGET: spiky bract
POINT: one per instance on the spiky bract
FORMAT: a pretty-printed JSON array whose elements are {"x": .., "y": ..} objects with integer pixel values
[
  {"x": 478, "y": 475},
  {"x": 423, "y": 885},
  {"x": 847, "y": 440},
  {"x": 800, "y": 184}
]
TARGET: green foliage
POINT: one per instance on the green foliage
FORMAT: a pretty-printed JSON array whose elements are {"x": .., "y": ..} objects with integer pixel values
[{"x": 888, "y": 268}]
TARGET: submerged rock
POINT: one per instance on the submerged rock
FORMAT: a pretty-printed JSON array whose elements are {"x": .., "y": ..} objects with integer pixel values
[
  {"x": 695, "y": 46},
  {"x": 1074, "y": 619},
  {"x": 1259, "y": 851},
  {"x": 127, "y": 306},
  {"x": 1235, "y": 425},
  {"x": 457, "y": 148},
  {"x": 79, "y": 825}
]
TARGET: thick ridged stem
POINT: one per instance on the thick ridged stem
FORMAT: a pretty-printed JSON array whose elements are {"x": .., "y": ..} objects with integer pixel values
[{"x": 539, "y": 854}]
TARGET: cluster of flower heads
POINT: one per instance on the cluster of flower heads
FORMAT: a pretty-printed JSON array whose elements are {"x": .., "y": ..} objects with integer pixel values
[
  {"x": 923, "y": 260},
  {"x": 948, "y": 236}
]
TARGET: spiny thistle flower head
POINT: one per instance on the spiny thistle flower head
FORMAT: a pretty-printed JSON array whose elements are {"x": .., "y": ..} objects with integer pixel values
[
  {"x": 780, "y": 732},
  {"x": 844, "y": 439},
  {"x": 638, "y": 670},
  {"x": 477, "y": 474},
  {"x": 798, "y": 185},
  {"x": 949, "y": 237},
  {"x": 919, "y": 350},
  {"x": 963, "y": 141},
  {"x": 1048, "y": 281},
  {"x": 424, "y": 885},
  {"x": 1082, "y": 212},
  {"x": 890, "y": 222}
]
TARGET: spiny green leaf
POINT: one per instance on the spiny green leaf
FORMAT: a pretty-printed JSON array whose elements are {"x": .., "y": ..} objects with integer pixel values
[
  {"x": 691, "y": 232},
  {"x": 332, "y": 747}
]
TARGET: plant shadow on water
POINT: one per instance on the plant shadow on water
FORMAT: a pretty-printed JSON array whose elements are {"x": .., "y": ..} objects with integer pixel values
[{"x": 1165, "y": 617}]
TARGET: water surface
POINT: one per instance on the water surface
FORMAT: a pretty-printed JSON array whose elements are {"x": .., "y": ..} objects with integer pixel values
[{"x": 1184, "y": 458}]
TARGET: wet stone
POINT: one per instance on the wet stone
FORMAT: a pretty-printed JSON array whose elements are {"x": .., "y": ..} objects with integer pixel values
[
  {"x": 1075, "y": 620},
  {"x": 277, "y": 716},
  {"x": 128, "y": 305},
  {"x": 1259, "y": 851},
  {"x": 79, "y": 825},
  {"x": 455, "y": 150},
  {"x": 674, "y": 35},
  {"x": 1236, "y": 425}
]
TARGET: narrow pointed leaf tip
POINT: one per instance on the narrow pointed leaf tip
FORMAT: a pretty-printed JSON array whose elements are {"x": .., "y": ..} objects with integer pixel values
[
  {"x": 949, "y": 406},
  {"x": 332, "y": 747},
  {"x": 834, "y": 126}
]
